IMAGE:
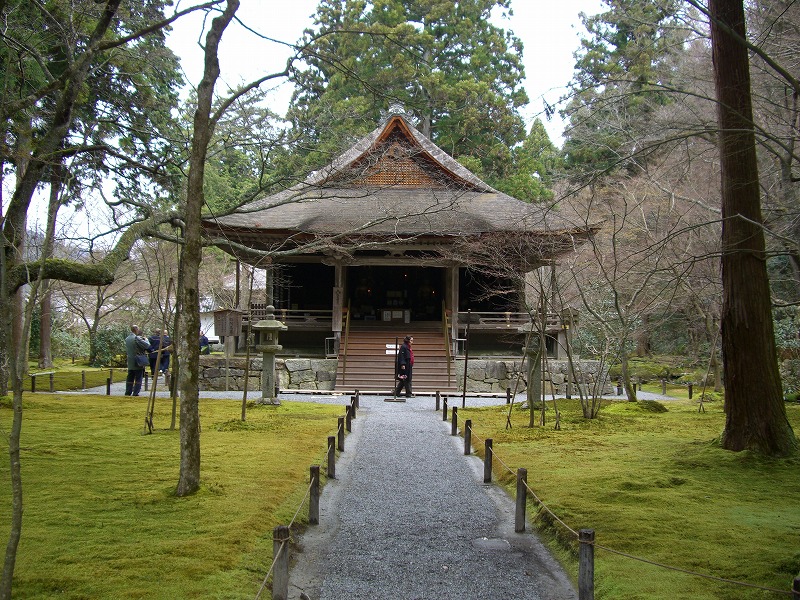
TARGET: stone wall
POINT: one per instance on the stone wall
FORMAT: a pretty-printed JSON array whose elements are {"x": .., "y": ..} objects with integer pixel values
[
  {"x": 292, "y": 373},
  {"x": 483, "y": 375},
  {"x": 495, "y": 375}
]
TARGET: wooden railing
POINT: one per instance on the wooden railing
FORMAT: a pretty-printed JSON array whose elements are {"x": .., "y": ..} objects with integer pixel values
[
  {"x": 343, "y": 349},
  {"x": 288, "y": 316},
  {"x": 446, "y": 335},
  {"x": 504, "y": 320}
]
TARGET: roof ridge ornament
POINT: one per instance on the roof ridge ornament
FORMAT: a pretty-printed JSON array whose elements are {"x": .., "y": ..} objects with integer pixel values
[{"x": 396, "y": 109}]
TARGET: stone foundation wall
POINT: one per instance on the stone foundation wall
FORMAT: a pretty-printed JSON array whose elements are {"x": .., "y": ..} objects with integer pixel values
[
  {"x": 495, "y": 375},
  {"x": 291, "y": 373},
  {"x": 483, "y": 375}
]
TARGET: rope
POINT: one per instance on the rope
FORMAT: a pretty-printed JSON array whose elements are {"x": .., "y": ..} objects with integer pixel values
[
  {"x": 291, "y": 523},
  {"x": 687, "y": 572},
  {"x": 302, "y": 502},
  {"x": 638, "y": 558},
  {"x": 550, "y": 512},
  {"x": 271, "y": 568},
  {"x": 509, "y": 469}
]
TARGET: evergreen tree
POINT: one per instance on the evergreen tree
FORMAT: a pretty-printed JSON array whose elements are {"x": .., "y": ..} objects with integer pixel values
[
  {"x": 623, "y": 72},
  {"x": 443, "y": 60},
  {"x": 535, "y": 163}
]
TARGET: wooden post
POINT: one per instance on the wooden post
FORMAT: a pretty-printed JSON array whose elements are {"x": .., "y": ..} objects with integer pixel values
[
  {"x": 280, "y": 554},
  {"x": 438, "y": 399},
  {"x": 468, "y": 437},
  {"x": 108, "y": 386},
  {"x": 355, "y": 400},
  {"x": 454, "y": 426},
  {"x": 796, "y": 589},
  {"x": 33, "y": 384},
  {"x": 52, "y": 383},
  {"x": 487, "y": 461},
  {"x": 111, "y": 375},
  {"x": 663, "y": 387},
  {"x": 340, "y": 433},
  {"x": 690, "y": 391},
  {"x": 313, "y": 499},
  {"x": 444, "y": 409},
  {"x": 353, "y": 407},
  {"x": 83, "y": 380},
  {"x": 522, "y": 497},
  {"x": 348, "y": 418},
  {"x": 332, "y": 457},
  {"x": 586, "y": 565},
  {"x": 508, "y": 395}
]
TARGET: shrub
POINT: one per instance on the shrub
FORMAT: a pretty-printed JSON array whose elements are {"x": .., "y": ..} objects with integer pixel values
[
  {"x": 108, "y": 341},
  {"x": 710, "y": 396},
  {"x": 66, "y": 345}
]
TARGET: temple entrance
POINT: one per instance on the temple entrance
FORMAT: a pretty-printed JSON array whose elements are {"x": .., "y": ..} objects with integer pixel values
[
  {"x": 302, "y": 286},
  {"x": 395, "y": 294}
]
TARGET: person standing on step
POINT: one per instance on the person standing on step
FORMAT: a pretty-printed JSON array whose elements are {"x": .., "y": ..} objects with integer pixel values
[{"x": 405, "y": 364}]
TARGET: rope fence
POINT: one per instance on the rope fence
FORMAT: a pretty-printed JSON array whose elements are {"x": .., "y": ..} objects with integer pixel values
[
  {"x": 584, "y": 537},
  {"x": 52, "y": 381},
  {"x": 282, "y": 534}
]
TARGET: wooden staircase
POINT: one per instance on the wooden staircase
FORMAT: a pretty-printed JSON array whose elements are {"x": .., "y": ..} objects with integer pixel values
[{"x": 368, "y": 363}]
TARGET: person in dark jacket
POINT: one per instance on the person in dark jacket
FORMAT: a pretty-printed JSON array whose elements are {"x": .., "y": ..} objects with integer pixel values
[
  {"x": 162, "y": 340},
  {"x": 405, "y": 364},
  {"x": 205, "y": 346},
  {"x": 136, "y": 345}
]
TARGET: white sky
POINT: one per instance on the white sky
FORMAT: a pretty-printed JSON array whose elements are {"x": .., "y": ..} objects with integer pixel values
[{"x": 549, "y": 29}]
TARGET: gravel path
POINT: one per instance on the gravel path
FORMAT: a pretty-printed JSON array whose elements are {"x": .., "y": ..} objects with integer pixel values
[{"x": 409, "y": 518}]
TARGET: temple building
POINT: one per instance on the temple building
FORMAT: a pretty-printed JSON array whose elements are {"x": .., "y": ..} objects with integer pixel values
[{"x": 396, "y": 237}]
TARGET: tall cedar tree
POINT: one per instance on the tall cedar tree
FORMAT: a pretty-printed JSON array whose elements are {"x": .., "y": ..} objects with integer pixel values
[
  {"x": 754, "y": 406},
  {"x": 445, "y": 61}
]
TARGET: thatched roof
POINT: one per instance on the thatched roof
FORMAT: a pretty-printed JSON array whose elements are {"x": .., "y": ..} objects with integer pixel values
[{"x": 393, "y": 185}]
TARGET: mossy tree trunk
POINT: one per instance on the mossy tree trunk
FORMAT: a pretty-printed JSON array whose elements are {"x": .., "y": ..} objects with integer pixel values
[{"x": 188, "y": 348}]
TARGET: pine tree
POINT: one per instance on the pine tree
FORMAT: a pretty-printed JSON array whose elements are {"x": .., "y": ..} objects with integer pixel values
[{"x": 443, "y": 60}]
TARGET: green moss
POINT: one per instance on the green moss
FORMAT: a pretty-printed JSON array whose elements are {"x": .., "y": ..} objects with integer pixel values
[
  {"x": 101, "y": 518},
  {"x": 656, "y": 485}
]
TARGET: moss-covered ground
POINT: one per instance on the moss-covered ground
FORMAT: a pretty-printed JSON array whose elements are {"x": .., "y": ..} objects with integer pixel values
[
  {"x": 655, "y": 484},
  {"x": 100, "y": 517}
]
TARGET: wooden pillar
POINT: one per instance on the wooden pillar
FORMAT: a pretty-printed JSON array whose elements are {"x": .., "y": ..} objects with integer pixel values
[
  {"x": 586, "y": 564},
  {"x": 280, "y": 553},
  {"x": 269, "y": 286},
  {"x": 451, "y": 291},
  {"x": 338, "y": 299}
]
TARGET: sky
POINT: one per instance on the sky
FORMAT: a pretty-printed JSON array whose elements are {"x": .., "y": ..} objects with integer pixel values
[{"x": 550, "y": 31}]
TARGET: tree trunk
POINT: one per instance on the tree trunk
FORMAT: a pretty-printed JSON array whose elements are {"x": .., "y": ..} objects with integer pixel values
[
  {"x": 630, "y": 387},
  {"x": 754, "y": 407},
  {"x": 45, "y": 328},
  {"x": 188, "y": 348}
]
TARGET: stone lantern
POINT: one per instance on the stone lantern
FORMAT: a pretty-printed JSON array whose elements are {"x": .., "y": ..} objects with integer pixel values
[
  {"x": 533, "y": 352},
  {"x": 266, "y": 333}
]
